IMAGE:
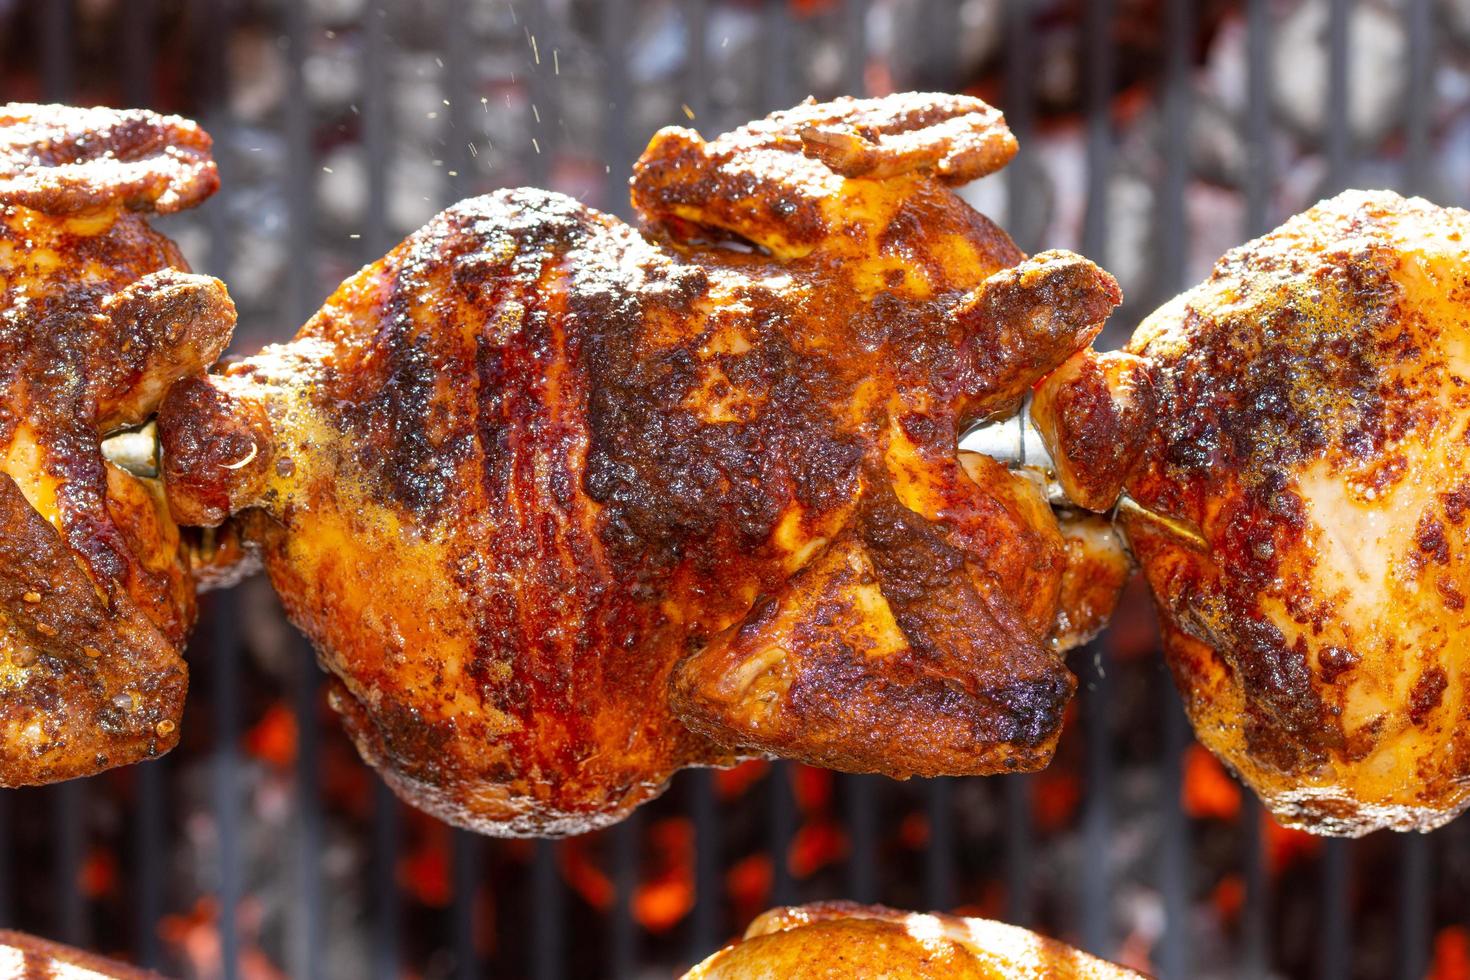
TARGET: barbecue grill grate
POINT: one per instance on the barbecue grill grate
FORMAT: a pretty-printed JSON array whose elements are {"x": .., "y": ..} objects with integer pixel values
[{"x": 602, "y": 60}]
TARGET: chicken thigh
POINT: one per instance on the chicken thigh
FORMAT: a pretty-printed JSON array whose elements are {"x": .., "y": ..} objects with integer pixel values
[{"x": 566, "y": 506}]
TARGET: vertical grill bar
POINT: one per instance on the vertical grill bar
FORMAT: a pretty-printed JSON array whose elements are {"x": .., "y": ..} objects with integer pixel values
[
  {"x": 137, "y": 51},
  {"x": 705, "y": 927},
  {"x": 776, "y": 60},
  {"x": 1339, "y": 128},
  {"x": 219, "y": 610},
  {"x": 465, "y": 864},
  {"x": 148, "y": 817},
  {"x": 546, "y": 951},
  {"x": 1255, "y": 915},
  {"x": 625, "y": 837},
  {"x": 1173, "y": 958},
  {"x": 224, "y": 665},
  {"x": 541, "y": 89},
  {"x": 1094, "y": 684},
  {"x": 783, "y": 831},
  {"x": 696, "y": 62},
  {"x": 1173, "y": 234},
  {"x": 1019, "y": 81},
  {"x": 617, "y": 154},
  {"x": 70, "y": 801},
  {"x": 939, "y": 856},
  {"x": 6, "y": 849},
  {"x": 1098, "y": 26},
  {"x": 148, "y": 848},
  {"x": 1335, "y": 951},
  {"x": 459, "y": 91},
  {"x": 1416, "y": 886},
  {"x": 1419, "y": 96},
  {"x": 306, "y": 925},
  {"x": 1255, "y": 933},
  {"x": 862, "y": 831},
  {"x": 1017, "y": 789},
  {"x": 387, "y": 820},
  {"x": 1020, "y": 852},
  {"x": 941, "y": 40},
  {"x": 386, "y": 833},
  {"x": 56, "y": 61},
  {"x": 1259, "y": 172},
  {"x": 306, "y": 941},
  {"x": 1097, "y": 814},
  {"x": 855, "y": 22}
]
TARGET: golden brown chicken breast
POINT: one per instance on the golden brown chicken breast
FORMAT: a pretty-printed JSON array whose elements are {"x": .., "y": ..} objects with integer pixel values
[
  {"x": 98, "y": 315},
  {"x": 566, "y": 507},
  {"x": 1302, "y": 508},
  {"x": 838, "y": 940}
]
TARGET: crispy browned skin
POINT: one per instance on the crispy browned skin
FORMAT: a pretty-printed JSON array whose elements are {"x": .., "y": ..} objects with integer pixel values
[
  {"x": 838, "y": 940},
  {"x": 69, "y": 160},
  {"x": 97, "y": 318},
  {"x": 24, "y": 957},
  {"x": 513, "y": 474},
  {"x": 1303, "y": 511},
  {"x": 1094, "y": 413}
]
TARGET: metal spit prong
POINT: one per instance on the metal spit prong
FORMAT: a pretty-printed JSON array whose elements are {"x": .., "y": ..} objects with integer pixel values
[{"x": 1016, "y": 442}]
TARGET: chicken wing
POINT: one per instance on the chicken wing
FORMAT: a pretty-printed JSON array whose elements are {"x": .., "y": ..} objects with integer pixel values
[
  {"x": 1301, "y": 506},
  {"x": 98, "y": 316},
  {"x": 539, "y": 486}
]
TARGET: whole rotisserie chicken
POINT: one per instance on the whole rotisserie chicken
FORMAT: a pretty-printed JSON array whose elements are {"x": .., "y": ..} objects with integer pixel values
[
  {"x": 98, "y": 316},
  {"x": 567, "y": 506},
  {"x": 835, "y": 940},
  {"x": 1301, "y": 505}
]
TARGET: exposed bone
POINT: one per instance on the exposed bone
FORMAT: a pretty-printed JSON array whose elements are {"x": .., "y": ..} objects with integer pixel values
[{"x": 135, "y": 450}]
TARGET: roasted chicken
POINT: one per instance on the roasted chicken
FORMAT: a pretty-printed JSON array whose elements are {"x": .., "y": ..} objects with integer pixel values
[
  {"x": 833, "y": 940},
  {"x": 567, "y": 506},
  {"x": 98, "y": 316},
  {"x": 1300, "y": 505}
]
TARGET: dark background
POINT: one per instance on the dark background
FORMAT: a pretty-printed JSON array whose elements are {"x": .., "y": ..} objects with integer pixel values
[{"x": 1155, "y": 134}]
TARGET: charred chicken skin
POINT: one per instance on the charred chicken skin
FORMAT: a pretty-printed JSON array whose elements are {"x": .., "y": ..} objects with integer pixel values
[
  {"x": 566, "y": 506},
  {"x": 1301, "y": 505},
  {"x": 98, "y": 316},
  {"x": 832, "y": 940}
]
